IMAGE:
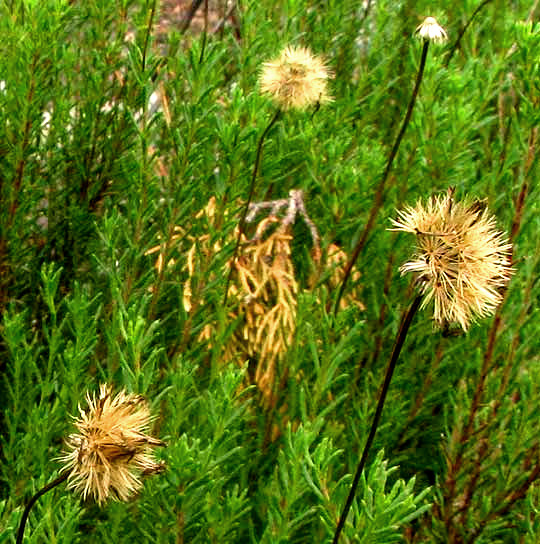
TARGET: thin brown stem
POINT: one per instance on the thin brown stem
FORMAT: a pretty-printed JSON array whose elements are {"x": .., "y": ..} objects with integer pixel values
[
  {"x": 19, "y": 173},
  {"x": 148, "y": 33},
  {"x": 398, "y": 344},
  {"x": 205, "y": 31},
  {"x": 379, "y": 195},
  {"x": 516, "y": 224},
  {"x": 462, "y": 32},
  {"x": 516, "y": 341},
  {"x": 62, "y": 478},
  {"x": 474, "y": 477},
  {"x": 421, "y": 395},
  {"x": 514, "y": 496},
  {"x": 242, "y": 224},
  {"x": 16, "y": 187},
  {"x": 195, "y": 5},
  {"x": 221, "y": 24}
]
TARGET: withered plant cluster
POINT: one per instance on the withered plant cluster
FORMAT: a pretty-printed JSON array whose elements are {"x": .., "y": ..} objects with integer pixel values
[{"x": 263, "y": 294}]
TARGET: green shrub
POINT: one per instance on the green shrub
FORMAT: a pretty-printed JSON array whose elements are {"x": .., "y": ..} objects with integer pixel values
[{"x": 116, "y": 135}]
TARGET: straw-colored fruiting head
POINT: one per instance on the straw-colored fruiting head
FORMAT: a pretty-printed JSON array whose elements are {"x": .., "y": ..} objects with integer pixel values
[
  {"x": 462, "y": 261},
  {"x": 431, "y": 30},
  {"x": 110, "y": 452},
  {"x": 296, "y": 79}
]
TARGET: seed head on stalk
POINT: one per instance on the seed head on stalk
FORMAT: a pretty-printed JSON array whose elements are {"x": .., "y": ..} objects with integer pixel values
[
  {"x": 461, "y": 261},
  {"x": 110, "y": 452},
  {"x": 296, "y": 79}
]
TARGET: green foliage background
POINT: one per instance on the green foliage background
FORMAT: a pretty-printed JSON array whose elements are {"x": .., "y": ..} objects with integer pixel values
[{"x": 92, "y": 175}]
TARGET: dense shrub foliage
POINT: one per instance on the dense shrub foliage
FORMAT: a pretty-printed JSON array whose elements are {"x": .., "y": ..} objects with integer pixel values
[{"x": 127, "y": 154}]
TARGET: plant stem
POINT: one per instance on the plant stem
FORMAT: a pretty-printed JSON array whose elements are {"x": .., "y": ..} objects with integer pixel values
[
  {"x": 242, "y": 223},
  {"x": 148, "y": 33},
  {"x": 63, "y": 477},
  {"x": 195, "y": 5},
  {"x": 406, "y": 321},
  {"x": 462, "y": 32},
  {"x": 377, "y": 203},
  {"x": 205, "y": 32}
]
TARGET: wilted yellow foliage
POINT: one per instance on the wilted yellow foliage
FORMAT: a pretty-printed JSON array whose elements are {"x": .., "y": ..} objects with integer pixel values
[{"x": 264, "y": 288}]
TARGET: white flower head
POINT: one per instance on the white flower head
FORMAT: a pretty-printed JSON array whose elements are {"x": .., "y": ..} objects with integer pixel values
[{"x": 431, "y": 30}]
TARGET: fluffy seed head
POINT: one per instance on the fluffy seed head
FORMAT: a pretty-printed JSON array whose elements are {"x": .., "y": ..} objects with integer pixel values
[
  {"x": 110, "y": 451},
  {"x": 296, "y": 79},
  {"x": 431, "y": 30},
  {"x": 461, "y": 260}
]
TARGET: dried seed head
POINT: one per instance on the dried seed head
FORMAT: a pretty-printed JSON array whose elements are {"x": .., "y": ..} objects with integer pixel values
[
  {"x": 110, "y": 451},
  {"x": 461, "y": 259},
  {"x": 296, "y": 79},
  {"x": 431, "y": 30}
]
